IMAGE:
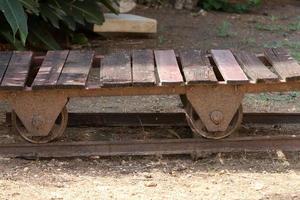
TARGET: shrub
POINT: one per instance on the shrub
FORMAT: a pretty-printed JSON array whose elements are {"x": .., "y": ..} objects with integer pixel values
[
  {"x": 230, "y": 6},
  {"x": 40, "y": 23}
]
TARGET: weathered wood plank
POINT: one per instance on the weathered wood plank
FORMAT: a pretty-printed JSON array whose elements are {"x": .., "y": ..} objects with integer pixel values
[
  {"x": 228, "y": 67},
  {"x": 196, "y": 67},
  {"x": 286, "y": 67},
  {"x": 50, "y": 69},
  {"x": 76, "y": 69},
  {"x": 254, "y": 68},
  {"x": 17, "y": 70},
  {"x": 143, "y": 71},
  {"x": 4, "y": 61},
  {"x": 115, "y": 70},
  {"x": 167, "y": 67}
]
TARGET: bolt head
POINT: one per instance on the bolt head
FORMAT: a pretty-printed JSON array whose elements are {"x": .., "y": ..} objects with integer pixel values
[
  {"x": 216, "y": 116},
  {"x": 38, "y": 121}
]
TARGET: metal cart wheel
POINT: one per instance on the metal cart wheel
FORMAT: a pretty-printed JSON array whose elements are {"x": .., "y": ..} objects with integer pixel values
[
  {"x": 56, "y": 131},
  {"x": 199, "y": 129}
]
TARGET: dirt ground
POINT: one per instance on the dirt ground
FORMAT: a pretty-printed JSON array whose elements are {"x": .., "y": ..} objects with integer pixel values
[{"x": 269, "y": 175}]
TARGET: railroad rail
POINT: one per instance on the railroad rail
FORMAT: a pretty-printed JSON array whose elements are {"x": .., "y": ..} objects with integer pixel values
[
  {"x": 163, "y": 119},
  {"x": 155, "y": 146}
]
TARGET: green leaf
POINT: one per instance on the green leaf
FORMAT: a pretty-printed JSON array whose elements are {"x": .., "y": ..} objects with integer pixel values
[
  {"x": 110, "y": 5},
  {"x": 16, "y": 17},
  {"x": 41, "y": 33},
  {"x": 31, "y": 6},
  {"x": 51, "y": 14},
  {"x": 79, "y": 38},
  {"x": 10, "y": 38}
]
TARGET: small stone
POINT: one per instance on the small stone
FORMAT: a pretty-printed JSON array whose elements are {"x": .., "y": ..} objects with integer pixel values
[
  {"x": 150, "y": 184},
  {"x": 258, "y": 186},
  {"x": 26, "y": 169},
  {"x": 94, "y": 157},
  {"x": 148, "y": 176},
  {"x": 4, "y": 159},
  {"x": 179, "y": 4},
  {"x": 203, "y": 12},
  {"x": 188, "y": 175}
]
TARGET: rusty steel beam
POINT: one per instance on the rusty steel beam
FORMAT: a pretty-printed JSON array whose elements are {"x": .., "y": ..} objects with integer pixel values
[
  {"x": 94, "y": 91},
  {"x": 152, "y": 147}
]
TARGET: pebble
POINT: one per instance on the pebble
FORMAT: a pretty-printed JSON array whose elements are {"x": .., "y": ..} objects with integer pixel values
[
  {"x": 94, "y": 157},
  {"x": 148, "y": 176},
  {"x": 150, "y": 184},
  {"x": 258, "y": 186},
  {"x": 26, "y": 169},
  {"x": 4, "y": 159}
]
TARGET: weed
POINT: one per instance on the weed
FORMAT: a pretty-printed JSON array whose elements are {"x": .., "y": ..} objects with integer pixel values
[
  {"x": 273, "y": 18},
  {"x": 225, "y": 5},
  {"x": 161, "y": 39},
  {"x": 224, "y": 30},
  {"x": 249, "y": 41},
  {"x": 294, "y": 26},
  {"x": 296, "y": 55},
  {"x": 269, "y": 27}
]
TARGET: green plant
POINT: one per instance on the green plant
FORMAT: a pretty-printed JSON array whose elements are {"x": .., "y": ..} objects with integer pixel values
[
  {"x": 228, "y": 6},
  {"x": 224, "y": 30},
  {"x": 41, "y": 23}
]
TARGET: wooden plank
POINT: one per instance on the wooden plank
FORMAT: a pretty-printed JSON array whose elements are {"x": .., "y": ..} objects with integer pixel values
[
  {"x": 115, "y": 70},
  {"x": 196, "y": 67},
  {"x": 254, "y": 68},
  {"x": 286, "y": 67},
  {"x": 167, "y": 67},
  {"x": 228, "y": 67},
  {"x": 143, "y": 71},
  {"x": 76, "y": 69},
  {"x": 126, "y": 23},
  {"x": 4, "y": 61},
  {"x": 17, "y": 70},
  {"x": 50, "y": 69}
]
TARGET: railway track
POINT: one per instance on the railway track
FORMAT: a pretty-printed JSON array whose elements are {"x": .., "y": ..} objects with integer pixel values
[
  {"x": 157, "y": 146},
  {"x": 163, "y": 119}
]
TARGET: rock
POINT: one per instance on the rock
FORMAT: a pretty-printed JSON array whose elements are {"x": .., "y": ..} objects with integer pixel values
[
  {"x": 26, "y": 169},
  {"x": 258, "y": 186},
  {"x": 126, "y": 5},
  {"x": 147, "y": 175},
  {"x": 94, "y": 157},
  {"x": 4, "y": 159},
  {"x": 150, "y": 184},
  {"x": 203, "y": 12},
  {"x": 190, "y": 4},
  {"x": 179, "y": 4}
]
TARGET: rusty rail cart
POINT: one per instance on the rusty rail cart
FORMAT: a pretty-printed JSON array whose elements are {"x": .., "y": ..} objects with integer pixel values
[{"x": 211, "y": 84}]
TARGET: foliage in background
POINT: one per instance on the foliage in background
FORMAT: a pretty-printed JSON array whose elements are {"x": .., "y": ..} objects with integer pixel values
[
  {"x": 229, "y": 6},
  {"x": 40, "y": 23}
]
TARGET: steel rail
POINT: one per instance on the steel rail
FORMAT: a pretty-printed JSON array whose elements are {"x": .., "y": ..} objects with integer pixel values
[
  {"x": 152, "y": 147},
  {"x": 164, "y": 119}
]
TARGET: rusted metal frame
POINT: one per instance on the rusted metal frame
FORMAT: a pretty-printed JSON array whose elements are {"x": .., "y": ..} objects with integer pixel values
[
  {"x": 215, "y": 106},
  {"x": 152, "y": 147},
  {"x": 37, "y": 111},
  {"x": 156, "y": 90}
]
